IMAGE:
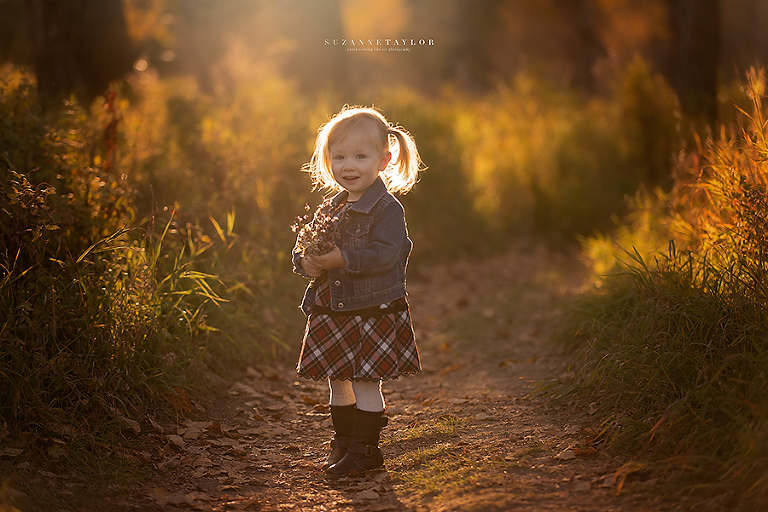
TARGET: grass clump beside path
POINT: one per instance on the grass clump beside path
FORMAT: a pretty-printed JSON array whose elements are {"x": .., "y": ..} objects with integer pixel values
[
  {"x": 675, "y": 348},
  {"x": 102, "y": 314}
]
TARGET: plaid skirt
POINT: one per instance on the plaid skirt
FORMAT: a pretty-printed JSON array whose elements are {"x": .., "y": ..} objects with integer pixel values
[{"x": 371, "y": 344}]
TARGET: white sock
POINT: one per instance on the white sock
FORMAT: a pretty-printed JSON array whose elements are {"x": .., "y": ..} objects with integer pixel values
[
  {"x": 341, "y": 392},
  {"x": 368, "y": 395}
]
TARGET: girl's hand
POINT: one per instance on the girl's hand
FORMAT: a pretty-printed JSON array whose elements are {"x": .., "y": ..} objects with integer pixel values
[
  {"x": 310, "y": 267},
  {"x": 314, "y": 265}
]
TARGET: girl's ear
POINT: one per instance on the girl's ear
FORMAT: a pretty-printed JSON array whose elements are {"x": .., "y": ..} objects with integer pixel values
[{"x": 385, "y": 160}]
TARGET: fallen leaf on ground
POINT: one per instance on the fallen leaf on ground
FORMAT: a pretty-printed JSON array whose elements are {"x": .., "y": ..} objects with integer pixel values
[
  {"x": 565, "y": 455},
  {"x": 450, "y": 369},
  {"x": 55, "y": 451},
  {"x": 177, "y": 441},
  {"x": 204, "y": 462},
  {"x": 585, "y": 452},
  {"x": 179, "y": 400},
  {"x": 193, "y": 430},
  {"x": 272, "y": 430},
  {"x": 581, "y": 486},
  {"x": 62, "y": 430},
  {"x": 381, "y": 477},
  {"x": 214, "y": 429},
  {"x": 238, "y": 388},
  {"x": 367, "y": 494},
  {"x": 153, "y": 425},
  {"x": 11, "y": 452}
]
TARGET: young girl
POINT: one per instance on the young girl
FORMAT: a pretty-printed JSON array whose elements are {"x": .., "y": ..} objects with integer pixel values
[{"x": 359, "y": 328}]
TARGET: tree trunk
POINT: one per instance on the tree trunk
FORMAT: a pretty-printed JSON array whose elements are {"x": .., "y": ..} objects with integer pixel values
[
  {"x": 78, "y": 46},
  {"x": 587, "y": 47},
  {"x": 694, "y": 55}
]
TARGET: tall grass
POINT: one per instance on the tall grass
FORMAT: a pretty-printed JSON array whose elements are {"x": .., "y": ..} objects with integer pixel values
[
  {"x": 100, "y": 320},
  {"x": 676, "y": 347}
]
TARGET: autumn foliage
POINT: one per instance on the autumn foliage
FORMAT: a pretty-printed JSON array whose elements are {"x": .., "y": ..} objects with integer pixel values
[{"x": 675, "y": 341}]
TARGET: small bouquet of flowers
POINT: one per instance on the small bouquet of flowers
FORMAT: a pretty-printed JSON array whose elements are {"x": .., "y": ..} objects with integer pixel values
[{"x": 316, "y": 236}]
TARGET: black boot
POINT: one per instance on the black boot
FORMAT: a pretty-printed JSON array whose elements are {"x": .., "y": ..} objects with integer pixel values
[
  {"x": 363, "y": 452},
  {"x": 343, "y": 417}
]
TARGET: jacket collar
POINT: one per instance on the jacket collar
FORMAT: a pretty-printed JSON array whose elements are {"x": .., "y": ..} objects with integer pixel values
[{"x": 367, "y": 201}]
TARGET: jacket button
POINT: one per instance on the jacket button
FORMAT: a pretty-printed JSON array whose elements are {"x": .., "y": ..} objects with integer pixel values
[
  {"x": 337, "y": 283},
  {"x": 341, "y": 304}
]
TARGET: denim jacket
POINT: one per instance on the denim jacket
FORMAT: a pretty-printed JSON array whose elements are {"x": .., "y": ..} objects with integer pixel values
[{"x": 373, "y": 239}]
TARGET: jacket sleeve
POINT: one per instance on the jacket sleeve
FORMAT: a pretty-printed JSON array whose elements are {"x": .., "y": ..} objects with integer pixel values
[
  {"x": 386, "y": 241},
  {"x": 297, "y": 268}
]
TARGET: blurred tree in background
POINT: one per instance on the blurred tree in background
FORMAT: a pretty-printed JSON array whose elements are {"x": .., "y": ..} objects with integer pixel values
[
  {"x": 255, "y": 63},
  {"x": 75, "y": 46},
  {"x": 571, "y": 94},
  {"x": 695, "y": 50},
  {"x": 79, "y": 46}
]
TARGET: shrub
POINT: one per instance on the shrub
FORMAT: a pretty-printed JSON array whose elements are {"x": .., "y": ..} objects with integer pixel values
[
  {"x": 676, "y": 349},
  {"x": 100, "y": 321}
]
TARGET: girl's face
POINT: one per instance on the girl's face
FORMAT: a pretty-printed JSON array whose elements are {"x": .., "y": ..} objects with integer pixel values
[{"x": 356, "y": 163}]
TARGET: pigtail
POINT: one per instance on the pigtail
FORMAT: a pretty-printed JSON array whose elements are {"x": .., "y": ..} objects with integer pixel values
[
  {"x": 319, "y": 168},
  {"x": 403, "y": 171}
]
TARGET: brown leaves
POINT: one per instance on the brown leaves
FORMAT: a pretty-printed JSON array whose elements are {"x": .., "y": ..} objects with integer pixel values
[
  {"x": 128, "y": 427},
  {"x": 10, "y": 452},
  {"x": 177, "y": 441},
  {"x": 179, "y": 400}
]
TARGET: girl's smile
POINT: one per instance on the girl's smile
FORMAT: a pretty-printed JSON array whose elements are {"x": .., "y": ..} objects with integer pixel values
[{"x": 356, "y": 163}]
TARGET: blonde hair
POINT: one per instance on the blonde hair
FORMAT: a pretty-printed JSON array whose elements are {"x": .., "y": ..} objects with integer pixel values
[{"x": 403, "y": 170}]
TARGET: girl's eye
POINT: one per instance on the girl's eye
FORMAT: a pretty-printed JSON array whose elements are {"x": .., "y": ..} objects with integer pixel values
[{"x": 360, "y": 157}]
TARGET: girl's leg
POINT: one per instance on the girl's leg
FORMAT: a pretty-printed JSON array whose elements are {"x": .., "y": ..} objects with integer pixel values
[
  {"x": 363, "y": 451},
  {"x": 368, "y": 395},
  {"x": 342, "y": 392},
  {"x": 343, "y": 412}
]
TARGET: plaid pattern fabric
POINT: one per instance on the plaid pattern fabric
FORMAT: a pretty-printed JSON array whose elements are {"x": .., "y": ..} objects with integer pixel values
[{"x": 358, "y": 347}]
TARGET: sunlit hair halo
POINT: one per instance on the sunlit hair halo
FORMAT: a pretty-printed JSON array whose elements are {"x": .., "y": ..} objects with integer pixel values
[{"x": 403, "y": 170}]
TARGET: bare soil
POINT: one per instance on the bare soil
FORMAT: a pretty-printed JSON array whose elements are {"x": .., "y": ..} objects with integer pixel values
[{"x": 470, "y": 433}]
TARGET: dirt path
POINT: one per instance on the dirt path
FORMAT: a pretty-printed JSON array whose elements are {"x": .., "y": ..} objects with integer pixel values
[{"x": 464, "y": 435}]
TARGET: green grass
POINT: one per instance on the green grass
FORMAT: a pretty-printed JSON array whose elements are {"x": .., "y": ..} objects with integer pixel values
[
  {"x": 444, "y": 427},
  {"x": 438, "y": 470},
  {"x": 434, "y": 464}
]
